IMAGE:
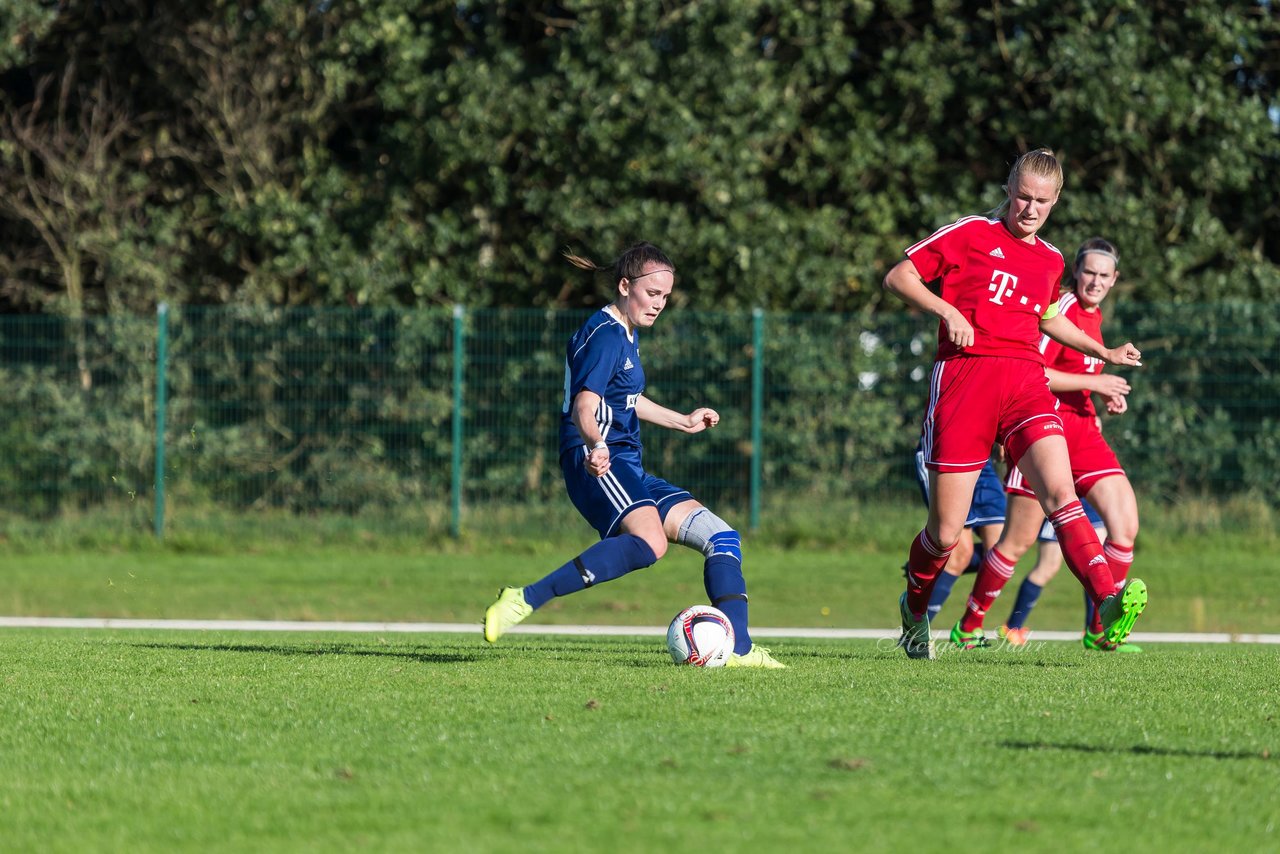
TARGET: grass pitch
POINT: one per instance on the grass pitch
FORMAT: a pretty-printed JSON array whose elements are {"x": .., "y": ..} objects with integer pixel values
[
  {"x": 1227, "y": 588},
  {"x": 151, "y": 741},
  {"x": 210, "y": 741},
  {"x": 832, "y": 565}
]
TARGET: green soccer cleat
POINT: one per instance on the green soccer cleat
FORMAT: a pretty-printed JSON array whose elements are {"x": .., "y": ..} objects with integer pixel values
[
  {"x": 916, "y": 640},
  {"x": 508, "y": 610},
  {"x": 757, "y": 656},
  {"x": 1119, "y": 612},
  {"x": 1097, "y": 642},
  {"x": 975, "y": 639}
]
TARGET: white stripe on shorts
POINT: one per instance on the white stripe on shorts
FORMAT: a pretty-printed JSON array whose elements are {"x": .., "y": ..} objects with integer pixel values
[
  {"x": 614, "y": 492},
  {"x": 935, "y": 382}
]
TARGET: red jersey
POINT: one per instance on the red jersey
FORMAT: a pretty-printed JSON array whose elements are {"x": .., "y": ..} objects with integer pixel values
[
  {"x": 1002, "y": 285},
  {"x": 1070, "y": 361}
]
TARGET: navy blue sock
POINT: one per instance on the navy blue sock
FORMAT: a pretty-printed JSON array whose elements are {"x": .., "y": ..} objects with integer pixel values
[
  {"x": 1028, "y": 594},
  {"x": 1088, "y": 612},
  {"x": 941, "y": 590},
  {"x": 727, "y": 590},
  {"x": 979, "y": 552},
  {"x": 605, "y": 561}
]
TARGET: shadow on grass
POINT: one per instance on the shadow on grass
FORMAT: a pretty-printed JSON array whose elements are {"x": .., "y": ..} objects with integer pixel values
[
  {"x": 999, "y": 654},
  {"x": 594, "y": 651},
  {"x": 459, "y": 657},
  {"x": 1138, "y": 750},
  {"x": 631, "y": 654}
]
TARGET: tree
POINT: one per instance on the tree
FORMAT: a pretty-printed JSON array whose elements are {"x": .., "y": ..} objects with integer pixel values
[
  {"x": 68, "y": 184},
  {"x": 418, "y": 153}
]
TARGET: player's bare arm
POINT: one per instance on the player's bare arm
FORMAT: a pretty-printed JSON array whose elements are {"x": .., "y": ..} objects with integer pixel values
[
  {"x": 1107, "y": 385},
  {"x": 695, "y": 422},
  {"x": 1066, "y": 333},
  {"x": 904, "y": 282},
  {"x": 585, "y": 405}
]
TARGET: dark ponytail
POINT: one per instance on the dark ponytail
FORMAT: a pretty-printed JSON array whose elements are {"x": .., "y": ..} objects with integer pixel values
[{"x": 629, "y": 265}]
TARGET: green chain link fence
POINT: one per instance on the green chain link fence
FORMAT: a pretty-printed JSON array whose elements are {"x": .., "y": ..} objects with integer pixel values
[{"x": 443, "y": 417}]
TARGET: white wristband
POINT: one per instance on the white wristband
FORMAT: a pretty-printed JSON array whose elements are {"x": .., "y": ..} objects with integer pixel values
[{"x": 601, "y": 445}]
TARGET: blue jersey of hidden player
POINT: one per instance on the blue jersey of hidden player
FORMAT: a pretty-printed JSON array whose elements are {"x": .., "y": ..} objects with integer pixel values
[{"x": 602, "y": 358}]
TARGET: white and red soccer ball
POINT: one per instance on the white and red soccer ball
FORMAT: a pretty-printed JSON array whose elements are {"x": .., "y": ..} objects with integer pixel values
[{"x": 701, "y": 636}]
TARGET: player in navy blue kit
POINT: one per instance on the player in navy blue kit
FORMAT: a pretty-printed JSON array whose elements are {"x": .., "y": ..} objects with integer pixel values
[{"x": 635, "y": 513}]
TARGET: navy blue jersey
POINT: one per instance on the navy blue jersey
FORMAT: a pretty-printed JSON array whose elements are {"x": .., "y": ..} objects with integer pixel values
[{"x": 601, "y": 358}]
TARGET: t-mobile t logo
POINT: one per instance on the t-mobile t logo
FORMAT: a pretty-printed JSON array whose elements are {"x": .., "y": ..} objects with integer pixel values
[{"x": 1002, "y": 285}]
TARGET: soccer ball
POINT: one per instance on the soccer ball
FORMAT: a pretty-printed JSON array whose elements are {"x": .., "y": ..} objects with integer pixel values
[{"x": 700, "y": 635}]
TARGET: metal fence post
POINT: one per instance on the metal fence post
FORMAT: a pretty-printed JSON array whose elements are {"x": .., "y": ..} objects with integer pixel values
[
  {"x": 757, "y": 410},
  {"x": 455, "y": 523},
  {"x": 162, "y": 359}
]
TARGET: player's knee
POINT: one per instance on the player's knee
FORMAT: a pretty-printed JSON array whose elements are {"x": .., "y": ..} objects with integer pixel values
[
  {"x": 658, "y": 545},
  {"x": 949, "y": 538},
  {"x": 960, "y": 558},
  {"x": 711, "y": 535},
  {"x": 1013, "y": 550},
  {"x": 1126, "y": 532},
  {"x": 1056, "y": 499},
  {"x": 642, "y": 550}
]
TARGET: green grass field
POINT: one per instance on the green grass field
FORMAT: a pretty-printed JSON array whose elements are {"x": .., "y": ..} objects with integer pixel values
[
  {"x": 154, "y": 741},
  {"x": 1210, "y": 567},
  {"x": 1233, "y": 587},
  {"x": 164, "y": 740}
]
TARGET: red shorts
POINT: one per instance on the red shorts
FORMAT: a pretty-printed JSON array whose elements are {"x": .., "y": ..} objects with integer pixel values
[
  {"x": 1091, "y": 457},
  {"x": 975, "y": 401}
]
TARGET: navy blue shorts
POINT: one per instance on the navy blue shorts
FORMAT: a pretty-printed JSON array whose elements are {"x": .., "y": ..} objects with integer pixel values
[
  {"x": 987, "y": 507},
  {"x": 988, "y": 499},
  {"x": 603, "y": 501}
]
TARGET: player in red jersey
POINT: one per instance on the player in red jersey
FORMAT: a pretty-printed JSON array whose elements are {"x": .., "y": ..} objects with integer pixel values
[
  {"x": 1076, "y": 379},
  {"x": 999, "y": 292}
]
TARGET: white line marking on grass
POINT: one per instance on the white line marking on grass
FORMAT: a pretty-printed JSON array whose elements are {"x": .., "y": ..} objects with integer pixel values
[{"x": 633, "y": 631}]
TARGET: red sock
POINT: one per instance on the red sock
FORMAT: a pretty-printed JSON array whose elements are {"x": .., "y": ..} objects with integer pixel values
[
  {"x": 995, "y": 572},
  {"x": 1121, "y": 558},
  {"x": 1082, "y": 551},
  {"x": 925, "y": 561}
]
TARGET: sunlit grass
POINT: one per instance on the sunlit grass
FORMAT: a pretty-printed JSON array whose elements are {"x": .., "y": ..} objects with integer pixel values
[{"x": 151, "y": 741}]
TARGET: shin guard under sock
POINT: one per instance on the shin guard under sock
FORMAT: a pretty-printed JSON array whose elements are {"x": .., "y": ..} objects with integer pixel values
[
  {"x": 1082, "y": 550},
  {"x": 605, "y": 561},
  {"x": 995, "y": 573},
  {"x": 727, "y": 590},
  {"x": 924, "y": 563}
]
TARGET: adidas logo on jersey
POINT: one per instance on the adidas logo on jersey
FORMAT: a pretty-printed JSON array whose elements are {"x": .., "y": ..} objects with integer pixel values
[
  {"x": 996, "y": 253},
  {"x": 627, "y": 365}
]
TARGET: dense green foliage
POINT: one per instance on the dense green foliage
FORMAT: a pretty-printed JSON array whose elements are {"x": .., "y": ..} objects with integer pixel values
[
  {"x": 327, "y": 409},
  {"x": 410, "y": 153},
  {"x": 308, "y": 185},
  {"x": 220, "y": 741}
]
